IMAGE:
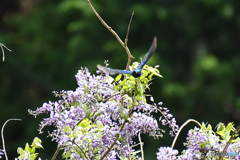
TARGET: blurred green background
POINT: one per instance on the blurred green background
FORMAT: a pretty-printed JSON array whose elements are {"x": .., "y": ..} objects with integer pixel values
[{"x": 198, "y": 53}]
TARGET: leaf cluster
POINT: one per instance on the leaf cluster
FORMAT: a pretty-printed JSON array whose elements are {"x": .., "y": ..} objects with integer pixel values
[{"x": 29, "y": 151}]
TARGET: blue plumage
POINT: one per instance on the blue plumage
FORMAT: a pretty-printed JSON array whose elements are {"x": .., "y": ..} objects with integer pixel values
[{"x": 137, "y": 72}]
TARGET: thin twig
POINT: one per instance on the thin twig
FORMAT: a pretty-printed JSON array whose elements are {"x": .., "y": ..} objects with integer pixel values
[
  {"x": 113, "y": 32},
  {"x": 2, "y": 45},
  {"x": 121, "y": 128},
  {"x": 229, "y": 142},
  {"x": 80, "y": 149},
  {"x": 109, "y": 28},
  {"x": 105, "y": 100},
  {"x": 56, "y": 153},
  {"x": 141, "y": 145},
  {"x": 3, "y": 142},
  {"x": 180, "y": 129},
  {"x": 126, "y": 39},
  {"x": 110, "y": 148},
  {"x": 58, "y": 149},
  {"x": 75, "y": 142},
  {"x": 165, "y": 117}
]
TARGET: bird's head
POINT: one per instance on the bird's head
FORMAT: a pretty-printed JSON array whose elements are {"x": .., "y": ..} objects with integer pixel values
[{"x": 137, "y": 72}]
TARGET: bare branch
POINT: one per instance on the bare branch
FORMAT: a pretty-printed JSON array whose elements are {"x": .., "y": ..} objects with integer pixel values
[
  {"x": 56, "y": 153},
  {"x": 2, "y": 45},
  {"x": 180, "y": 129},
  {"x": 114, "y": 34},
  {"x": 3, "y": 142},
  {"x": 126, "y": 39},
  {"x": 141, "y": 145}
]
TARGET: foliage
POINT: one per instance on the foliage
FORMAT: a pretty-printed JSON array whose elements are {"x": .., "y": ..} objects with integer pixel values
[
  {"x": 129, "y": 82},
  {"x": 29, "y": 152}
]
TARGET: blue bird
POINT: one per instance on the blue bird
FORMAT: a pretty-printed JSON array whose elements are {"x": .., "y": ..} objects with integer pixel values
[{"x": 136, "y": 72}]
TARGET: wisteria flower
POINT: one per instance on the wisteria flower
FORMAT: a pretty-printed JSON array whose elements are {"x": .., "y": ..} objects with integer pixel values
[
  {"x": 203, "y": 143},
  {"x": 98, "y": 120},
  {"x": 167, "y": 153}
]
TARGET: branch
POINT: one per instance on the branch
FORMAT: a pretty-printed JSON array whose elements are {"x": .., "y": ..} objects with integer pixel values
[
  {"x": 126, "y": 40},
  {"x": 2, "y": 45},
  {"x": 121, "y": 128},
  {"x": 56, "y": 153},
  {"x": 180, "y": 129},
  {"x": 229, "y": 142},
  {"x": 141, "y": 145},
  {"x": 114, "y": 34},
  {"x": 4, "y": 149},
  {"x": 59, "y": 147},
  {"x": 105, "y": 100}
]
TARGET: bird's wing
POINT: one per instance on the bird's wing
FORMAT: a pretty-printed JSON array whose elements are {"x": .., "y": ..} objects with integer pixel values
[
  {"x": 112, "y": 71},
  {"x": 126, "y": 72},
  {"x": 149, "y": 53}
]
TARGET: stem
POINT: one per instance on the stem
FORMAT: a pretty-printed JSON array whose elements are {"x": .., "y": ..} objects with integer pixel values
[
  {"x": 166, "y": 119},
  {"x": 58, "y": 149},
  {"x": 105, "y": 100},
  {"x": 114, "y": 33},
  {"x": 130, "y": 111},
  {"x": 56, "y": 153},
  {"x": 180, "y": 129},
  {"x": 2, "y": 45},
  {"x": 3, "y": 142},
  {"x": 228, "y": 143},
  {"x": 80, "y": 149},
  {"x": 141, "y": 145},
  {"x": 126, "y": 40}
]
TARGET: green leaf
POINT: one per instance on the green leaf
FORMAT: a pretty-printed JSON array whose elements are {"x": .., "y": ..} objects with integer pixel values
[
  {"x": 157, "y": 74},
  {"x": 34, "y": 156},
  {"x": 220, "y": 129},
  {"x": 37, "y": 143},
  {"x": 118, "y": 77},
  {"x": 85, "y": 123},
  {"x": 225, "y": 132},
  {"x": 230, "y": 127},
  {"x": 27, "y": 148},
  {"x": 109, "y": 80}
]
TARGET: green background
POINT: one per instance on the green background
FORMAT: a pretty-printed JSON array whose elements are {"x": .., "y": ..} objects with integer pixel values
[{"x": 198, "y": 53}]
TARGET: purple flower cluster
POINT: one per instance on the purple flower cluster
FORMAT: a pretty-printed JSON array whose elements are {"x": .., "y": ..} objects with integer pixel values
[
  {"x": 167, "y": 153},
  {"x": 201, "y": 144},
  {"x": 168, "y": 119},
  {"x": 1, "y": 153},
  {"x": 97, "y": 121}
]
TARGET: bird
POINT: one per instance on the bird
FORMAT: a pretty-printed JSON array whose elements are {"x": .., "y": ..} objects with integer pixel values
[{"x": 136, "y": 72}]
